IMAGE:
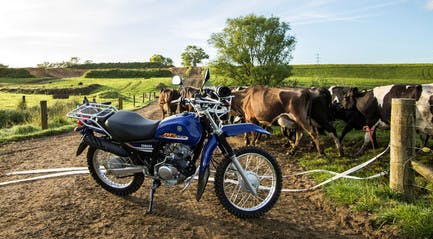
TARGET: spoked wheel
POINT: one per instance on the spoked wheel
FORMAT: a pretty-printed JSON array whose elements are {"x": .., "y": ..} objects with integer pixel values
[
  {"x": 263, "y": 173},
  {"x": 99, "y": 161}
]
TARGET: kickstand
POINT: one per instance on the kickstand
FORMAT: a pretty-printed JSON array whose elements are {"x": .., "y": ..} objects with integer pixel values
[{"x": 155, "y": 184}]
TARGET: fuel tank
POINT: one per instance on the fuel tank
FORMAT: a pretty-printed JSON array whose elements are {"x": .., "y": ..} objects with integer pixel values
[{"x": 181, "y": 128}]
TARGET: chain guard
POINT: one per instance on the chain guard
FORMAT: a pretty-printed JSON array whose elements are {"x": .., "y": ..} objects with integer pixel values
[{"x": 202, "y": 181}]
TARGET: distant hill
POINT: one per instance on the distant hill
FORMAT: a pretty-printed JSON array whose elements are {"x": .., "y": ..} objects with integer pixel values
[{"x": 372, "y": 71}]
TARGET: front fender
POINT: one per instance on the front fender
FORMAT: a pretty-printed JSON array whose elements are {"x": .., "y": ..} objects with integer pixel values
[
  {"x": 229, "y": 130},
  {"x": 236, "y": 129}
]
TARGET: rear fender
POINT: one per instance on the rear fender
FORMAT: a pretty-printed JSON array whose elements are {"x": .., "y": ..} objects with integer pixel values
[{"x": 81, "y": 147}]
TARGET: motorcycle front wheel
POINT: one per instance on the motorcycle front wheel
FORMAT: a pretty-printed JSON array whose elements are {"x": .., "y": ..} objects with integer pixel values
[
  {"x": 100, "y": 161},
  {"x": 264, "y": 174}
]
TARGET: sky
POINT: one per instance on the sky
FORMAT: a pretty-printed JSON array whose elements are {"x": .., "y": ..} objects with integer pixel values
[{"x": 326, "y": 31}]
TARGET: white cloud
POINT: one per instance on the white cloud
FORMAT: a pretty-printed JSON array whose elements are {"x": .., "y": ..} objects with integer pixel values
[{"x": 429, "y": 5}]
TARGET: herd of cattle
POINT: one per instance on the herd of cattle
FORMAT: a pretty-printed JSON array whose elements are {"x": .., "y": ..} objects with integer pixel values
[{"x": 312, "y": 110}]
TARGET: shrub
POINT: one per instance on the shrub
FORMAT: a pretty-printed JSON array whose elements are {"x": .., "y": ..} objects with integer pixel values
[
  {"x": 9, "y": 118},
  {"x": 116, "y": 73},
  {"x": 120, "y": 65},
  {"x": 15, "y": 73}
]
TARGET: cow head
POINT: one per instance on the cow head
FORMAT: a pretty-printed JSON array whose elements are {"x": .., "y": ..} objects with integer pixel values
[{"x": 349, "y": 98}]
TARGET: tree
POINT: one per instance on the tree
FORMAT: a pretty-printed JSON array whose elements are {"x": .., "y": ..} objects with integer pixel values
[
  {"x": 161, "y": 59},
  {"x": 3, "y": 66},
  {"x": 193, "y": 55},
  {"x": 254, "y": 50}
]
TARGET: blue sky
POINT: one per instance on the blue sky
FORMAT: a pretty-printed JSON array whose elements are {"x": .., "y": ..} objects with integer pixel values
[{"x": 339, "y": 31}]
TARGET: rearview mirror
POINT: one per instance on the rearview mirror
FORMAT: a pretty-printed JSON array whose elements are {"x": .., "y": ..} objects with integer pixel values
[
  {"x": 176, "y": 80},
  {"x": 206, "y": 75}
]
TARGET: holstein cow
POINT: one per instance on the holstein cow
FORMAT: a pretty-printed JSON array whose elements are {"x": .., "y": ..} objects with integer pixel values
[
  {"x": 352, "y": 117},
  {"x": 375, "y": 105},
  {"x": 321, "y": 114},
  {"x": 187, "y": 92},
  {"x": 264, "y": 105},
  {"x": 164, "y": 101}
]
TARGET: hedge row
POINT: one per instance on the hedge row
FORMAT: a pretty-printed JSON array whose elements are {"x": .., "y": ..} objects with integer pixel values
[
  {"x": 9, "y": 118},
  {"x": 14, "y": 73},
  {"x": 120, "y": 65},
  {"x": 127, "y": 73},
  {"x": 373, "y": 71}
]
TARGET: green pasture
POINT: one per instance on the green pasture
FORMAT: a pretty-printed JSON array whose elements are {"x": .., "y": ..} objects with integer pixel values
[
  {"x": 362, "y": 83},
  {"x": 28, "y": 113},
  {"x": 109, "y": 90}
]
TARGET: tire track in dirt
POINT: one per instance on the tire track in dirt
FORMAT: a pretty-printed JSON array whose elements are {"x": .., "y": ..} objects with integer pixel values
[{"x": 76, "y": 207}]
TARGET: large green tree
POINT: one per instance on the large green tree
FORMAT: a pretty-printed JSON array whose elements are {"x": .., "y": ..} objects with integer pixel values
[
  {"x": 161, "y": 59},
  {"x": 193, "y": 55},
  {"x": 254, "y": 50}
]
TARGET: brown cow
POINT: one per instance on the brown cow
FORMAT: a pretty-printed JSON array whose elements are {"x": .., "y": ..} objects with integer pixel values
[
  {"x": 266, "y": 106},
  {"x": 187, "y": 92},
  {"x": 164, "y": 101}
]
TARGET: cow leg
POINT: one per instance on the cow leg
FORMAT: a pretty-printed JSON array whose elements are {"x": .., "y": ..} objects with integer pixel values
[
  {"x": 329, "y": 128},
  {"x": 424, "y": 138},
  {"x": 346, "y": 130},
  {"x": 367, "y": 139},
  {"x": 298, "y": 136},
  {"x": 314, "y": 134},
  {"x": 287, "y": 135}
]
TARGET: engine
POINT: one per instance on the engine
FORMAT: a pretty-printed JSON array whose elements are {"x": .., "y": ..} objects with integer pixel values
[{"x": 177, "y": 163}]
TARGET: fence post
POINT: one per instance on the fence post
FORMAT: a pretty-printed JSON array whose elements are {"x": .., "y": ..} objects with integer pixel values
[
  {"x": 120, "y": 103},
  {"x": 402, "y": 142},
  {"x": 154, "y": 95},
  {"x": 133, "y": 100},
  {"x": 150, "y": 95},
  {"x": 143, "y": 97},
  {"x": 44, "y": 114}
]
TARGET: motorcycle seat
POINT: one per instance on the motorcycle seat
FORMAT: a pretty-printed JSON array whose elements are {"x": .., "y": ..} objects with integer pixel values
[{"x": 130, "y": 126}]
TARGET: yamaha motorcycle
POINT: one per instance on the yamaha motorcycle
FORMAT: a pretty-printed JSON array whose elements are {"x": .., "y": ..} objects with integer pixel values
[{"x": 124, "y": 148}]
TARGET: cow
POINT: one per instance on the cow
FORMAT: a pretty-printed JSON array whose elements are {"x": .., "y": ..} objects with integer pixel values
[
  {"x": 164, "y": 101},
  {"x": 321, "y": 114},
  {"x": 375, "y": 105},
  {"x": 187, "y": 92},
  {"x": 352, "y": 117},
  {"x": 265, "y": 106}
]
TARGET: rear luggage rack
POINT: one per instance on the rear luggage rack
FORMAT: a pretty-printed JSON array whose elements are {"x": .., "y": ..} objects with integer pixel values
[{"x": 89, "y": 113}]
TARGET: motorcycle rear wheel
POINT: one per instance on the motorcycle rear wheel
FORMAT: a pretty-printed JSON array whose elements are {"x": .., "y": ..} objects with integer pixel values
[
  {"x": 264, "y": 174},
  {"x": 97, "y": 160}
]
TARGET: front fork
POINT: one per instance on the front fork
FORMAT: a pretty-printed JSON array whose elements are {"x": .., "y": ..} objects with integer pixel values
[{"x": 228, "y": 152}]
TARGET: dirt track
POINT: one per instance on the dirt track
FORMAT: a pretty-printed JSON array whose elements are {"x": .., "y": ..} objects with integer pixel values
[{"x": 76, "y": 207}]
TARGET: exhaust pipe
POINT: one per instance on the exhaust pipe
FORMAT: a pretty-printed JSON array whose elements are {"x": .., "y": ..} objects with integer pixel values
[
  {"x": 105, "y": 145},
  {"x": 124, "y": 172}
]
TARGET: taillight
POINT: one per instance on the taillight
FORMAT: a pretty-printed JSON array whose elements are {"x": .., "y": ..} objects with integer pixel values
[{"x": 79, "y": 123}]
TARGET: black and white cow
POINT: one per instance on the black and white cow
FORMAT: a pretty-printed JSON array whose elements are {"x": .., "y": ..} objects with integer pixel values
[
  {"x": 352, "y": 117},
  {"x": 375, "y": 105}
]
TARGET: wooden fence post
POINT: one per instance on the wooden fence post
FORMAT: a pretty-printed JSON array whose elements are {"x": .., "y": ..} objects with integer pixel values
[
  {"x": 150, "y": 95},
  {"x": 133, "y": 100},
  {"x": 44, "y": 114},
  {"x": 402, "y": 142},
  {"x": 24, "y": 99},
  {"x": 120, "y": 103},
  {"x": 144, "y": 95}
]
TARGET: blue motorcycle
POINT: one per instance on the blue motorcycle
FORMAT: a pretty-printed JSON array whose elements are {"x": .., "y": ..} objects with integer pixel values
[{"x": 124, "y": 148}]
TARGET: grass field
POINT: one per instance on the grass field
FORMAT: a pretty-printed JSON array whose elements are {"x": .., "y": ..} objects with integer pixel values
[
  {"x": 363, "y": 83},
  {"x": 109, "y": 90}
]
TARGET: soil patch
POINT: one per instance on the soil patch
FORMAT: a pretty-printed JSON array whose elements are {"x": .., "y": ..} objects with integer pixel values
[{"x": 76, "y": 207}]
